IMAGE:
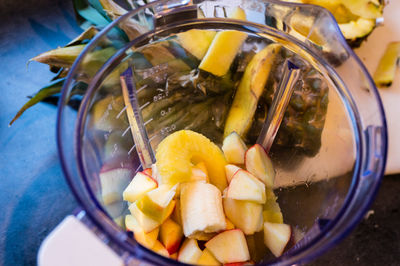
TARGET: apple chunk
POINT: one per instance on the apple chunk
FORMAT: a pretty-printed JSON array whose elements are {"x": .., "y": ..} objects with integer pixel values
[
  {"x": 147, "y": 223},
  {"x": 230, "y": 171},
  {"x": 148, "y": 172},
  {"x": 155, "y": 202},
  {"x": 271, "y": 211},
  {"x": 244, "y": 186},
  {"x": 260, "y": 165},
  {"x": 113, "y": 182},
  {"x": 276, "y": 237},
  {"x": 160, "y": 249},
  {"x": 139, "y": 185},
  {"x": 171, "y": 235},
  {"x": 229, "y": 246},
  {"x": 207, "y": 258},
  {"x": 189, "y": 252},
  {"x": 234, "y": 148},
  {"x": 245, "y": 215},
  {"x": 145, "y": 239}
]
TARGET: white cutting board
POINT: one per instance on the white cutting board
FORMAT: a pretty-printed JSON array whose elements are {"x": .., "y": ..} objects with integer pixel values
[{"x": 370, "y": 52}]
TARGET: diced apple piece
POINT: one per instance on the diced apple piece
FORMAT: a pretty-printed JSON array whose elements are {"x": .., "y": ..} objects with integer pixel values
[
  {"x": 276, "y": 237},
  {"x": 155, "y": 202},
  {"x": 260, "y": 165},
  {"x": 171, "y": 235},
  {"x": 245, "y": 215},
  {"x": 207, "y": 258},
  {"x": 229, "y": 224},
  {"x": 229, "y": 246},
  {"x": 189, "y": 252},
  {"x": 113, "y": 182},
  {"x": 174, "y": 256},
  {"x": 160, "y": 249},
  {"x": 145, "y": 239},
  {"x": 139, "y": 185},
  {"x": 147, "y": 223},
  {"x": 271, "y": 211},
  {"x": 155, "y": 174},
  {"x": 245, "y": 186},
  {"x": 201, "y": 208},
  {"x": 230, "y": 171},
  {"x": 234, "y": 149}
]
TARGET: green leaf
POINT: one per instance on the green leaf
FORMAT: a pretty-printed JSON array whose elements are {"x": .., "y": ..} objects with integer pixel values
[{"x": 49, "y": 90}]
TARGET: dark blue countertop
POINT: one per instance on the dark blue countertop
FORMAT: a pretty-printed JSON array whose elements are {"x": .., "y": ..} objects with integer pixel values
[{"x": 34, "y": 196}]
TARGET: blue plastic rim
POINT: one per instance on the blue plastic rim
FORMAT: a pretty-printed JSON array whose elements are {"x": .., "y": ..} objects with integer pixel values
[{"x": 337, "y": 229}]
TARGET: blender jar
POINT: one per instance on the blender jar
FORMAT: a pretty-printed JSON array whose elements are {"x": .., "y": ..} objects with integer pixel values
[{"x": 330, "y": 150}]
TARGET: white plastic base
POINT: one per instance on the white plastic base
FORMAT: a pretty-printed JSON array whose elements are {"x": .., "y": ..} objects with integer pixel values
[{"x": 71, "y": 243}]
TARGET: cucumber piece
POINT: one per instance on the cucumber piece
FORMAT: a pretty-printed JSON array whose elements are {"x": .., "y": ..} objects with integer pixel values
[
  {"x": 250, "y": 89},
  {"x": 386, "y": 70}
]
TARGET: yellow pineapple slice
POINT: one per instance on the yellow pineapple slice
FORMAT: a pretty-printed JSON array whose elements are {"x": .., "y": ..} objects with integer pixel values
[
  {"x": 222, "y": 51},
  {"x": 196, "y": 41},
  {"x": 224, "y": 48},
  {"x": 178, "y": 152}
]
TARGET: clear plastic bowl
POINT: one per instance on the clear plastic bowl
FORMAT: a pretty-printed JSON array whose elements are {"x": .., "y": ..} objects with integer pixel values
[{"x": 323, "y": 191}]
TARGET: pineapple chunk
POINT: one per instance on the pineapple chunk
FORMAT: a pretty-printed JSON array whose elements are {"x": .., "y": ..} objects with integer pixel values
[
  {"x": 196, "y": 41},
  {"x": 386, "y": 70},
  {"x": 222, "y": 51}
]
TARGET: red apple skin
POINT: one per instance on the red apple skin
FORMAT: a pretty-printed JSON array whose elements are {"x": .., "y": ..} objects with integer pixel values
[
  {"x": 171, "y": 237},
  {"x": 148, "y": 172}
]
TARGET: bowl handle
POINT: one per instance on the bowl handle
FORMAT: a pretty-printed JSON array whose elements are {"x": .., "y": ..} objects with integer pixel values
[{"x": 73, "y": 242}]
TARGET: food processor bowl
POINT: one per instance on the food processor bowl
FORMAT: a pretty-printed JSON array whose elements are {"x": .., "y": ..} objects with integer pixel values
[{"x": 329, "y": 165}]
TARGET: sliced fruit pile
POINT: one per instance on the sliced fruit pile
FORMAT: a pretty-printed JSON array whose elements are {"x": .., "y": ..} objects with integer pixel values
[{"x": 199, "y": 204}]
